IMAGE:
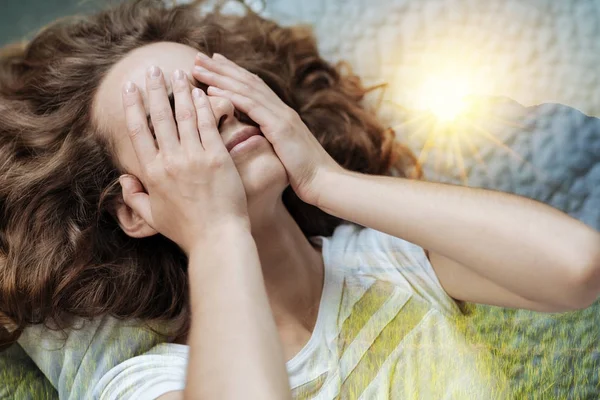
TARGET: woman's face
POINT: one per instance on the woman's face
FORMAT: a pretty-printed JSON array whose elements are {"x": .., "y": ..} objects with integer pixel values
[{"x": 262, "y": 173}]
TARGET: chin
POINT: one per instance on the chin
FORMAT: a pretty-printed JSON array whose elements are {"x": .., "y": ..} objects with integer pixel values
[{"x": 263, "y": 175}]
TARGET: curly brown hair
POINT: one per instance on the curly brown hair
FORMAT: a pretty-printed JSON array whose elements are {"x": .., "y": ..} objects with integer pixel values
[{"x": 62, "y": 252}]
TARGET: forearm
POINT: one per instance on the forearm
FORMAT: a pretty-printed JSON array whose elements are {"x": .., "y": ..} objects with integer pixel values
[
  {"x": 524, "y": 245},
  {"x": 235, "y": 350}
]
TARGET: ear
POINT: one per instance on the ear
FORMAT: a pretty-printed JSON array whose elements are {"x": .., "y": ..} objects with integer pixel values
[{"x": 130, "y": 221}]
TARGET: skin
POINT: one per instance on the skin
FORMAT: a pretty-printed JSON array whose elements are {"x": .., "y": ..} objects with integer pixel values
[{"x": 292, "y": 267}]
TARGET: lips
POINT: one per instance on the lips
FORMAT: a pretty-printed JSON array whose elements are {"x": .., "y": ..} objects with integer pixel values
[{"x": 242, "y": 135}]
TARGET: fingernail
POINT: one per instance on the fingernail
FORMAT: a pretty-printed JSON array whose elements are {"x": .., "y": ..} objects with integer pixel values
[
  {"x": 197, "y": 93},
  {"x": 129, "y": 87},
  {"x": 178, "y": 75},
  {"x": 200, "y": 70},
  {"x": 154, "y": 71},
  {"x": 123, "y": 181},
  {"x": 202, "y": 56}
]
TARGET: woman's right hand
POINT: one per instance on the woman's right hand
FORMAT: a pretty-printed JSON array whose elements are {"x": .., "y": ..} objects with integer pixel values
[{"x": 191, "y": 180}]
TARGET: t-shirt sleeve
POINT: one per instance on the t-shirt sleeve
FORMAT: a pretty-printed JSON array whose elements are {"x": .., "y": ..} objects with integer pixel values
[
  {"x": 408, "y": 265},
  {"x": 147, "y": 376}
]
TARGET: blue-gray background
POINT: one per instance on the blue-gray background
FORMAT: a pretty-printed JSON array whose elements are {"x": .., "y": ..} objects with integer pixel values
[{"x": 21, "y": 18}]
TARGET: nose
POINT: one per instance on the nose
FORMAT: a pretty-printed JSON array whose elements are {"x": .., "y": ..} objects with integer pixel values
[{"x": 223, "y": 110}]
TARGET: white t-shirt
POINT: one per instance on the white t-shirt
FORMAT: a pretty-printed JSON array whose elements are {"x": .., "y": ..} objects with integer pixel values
[{"x": 384, "y": 330}]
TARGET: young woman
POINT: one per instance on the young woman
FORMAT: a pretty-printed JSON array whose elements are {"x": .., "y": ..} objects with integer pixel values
[{"x": 258, "y": 211}]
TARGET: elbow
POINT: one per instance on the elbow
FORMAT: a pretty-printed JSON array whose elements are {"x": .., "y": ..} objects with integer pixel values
[{"x": 585, "y": 284}]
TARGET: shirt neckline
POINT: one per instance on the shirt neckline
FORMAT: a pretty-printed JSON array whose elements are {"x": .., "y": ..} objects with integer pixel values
[{"x": 326, "y": 304}]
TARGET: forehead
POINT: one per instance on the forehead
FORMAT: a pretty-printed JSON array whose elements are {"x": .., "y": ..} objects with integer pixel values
[{"x": 168, "y": 56}]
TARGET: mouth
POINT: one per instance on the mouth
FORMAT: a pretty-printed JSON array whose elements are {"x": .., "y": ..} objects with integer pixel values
[{"x": 242, "y": 135}]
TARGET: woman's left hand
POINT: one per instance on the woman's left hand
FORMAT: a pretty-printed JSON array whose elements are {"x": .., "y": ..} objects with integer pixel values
[{"x": 305, "y": 160}]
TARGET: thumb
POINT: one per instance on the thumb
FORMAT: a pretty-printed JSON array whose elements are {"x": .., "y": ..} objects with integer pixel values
[{"x": 135, "y": 197}]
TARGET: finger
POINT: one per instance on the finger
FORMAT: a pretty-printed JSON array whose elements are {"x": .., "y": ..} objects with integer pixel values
[
  {"x": 160, "y": 110},
  {"x": 257, "y": 112},
  {"x": 137, "y": 125},
  {"x": 242, "y": 81},
  {"x": 207, "y": 126},
  {"x": 260, "y": 92},
  {"x": 185, "y": 112},
  {"x": 251, "y": 79},
  {"x": 222, "y": 81},
  {"x": 224, "y": 67},
  {"x": 241, "y": 71},
  {"x": 135, "y": 197}
]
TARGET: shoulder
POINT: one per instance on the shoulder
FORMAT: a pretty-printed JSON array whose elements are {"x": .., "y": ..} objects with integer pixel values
[
  {"x": 355, "y": 242},
  {"x": 361, "y": 251},
  {"x": 85, "y": 351},
  {"x": 355, "y": 237}
]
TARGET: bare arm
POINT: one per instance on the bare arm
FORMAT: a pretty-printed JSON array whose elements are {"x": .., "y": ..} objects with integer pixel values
[
  {"x": 235, "y": 349},
  {"x": 486, "y": 246}
]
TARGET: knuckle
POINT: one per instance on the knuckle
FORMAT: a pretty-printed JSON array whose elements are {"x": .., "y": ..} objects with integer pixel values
[
  {"x": 155, "y": 84},
  {"x": 153, "y": 175},
  {"x": 205, "y": 125},
  {"x": 130, "y": 100},
  {"x": 180, "y": 87},
  {"x": 290, "y": 111},
  {"x": 184, "y": 114},
  {"x": 172, "y": 165},
  {"x": 135, "y": 129},
  {"x": 256, "y": 78},
  {"x": 215, "y": 160},
  {"x": 252, "y": 105},
  {"x": 202, "y": 103},
  {"x": 290, "y": 116},
  {"x": 161, "y": 114}
]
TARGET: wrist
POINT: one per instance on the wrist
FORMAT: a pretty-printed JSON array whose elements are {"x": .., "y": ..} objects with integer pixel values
[
  {"x": 326, "y": 183},
  {"x": 219, "y": 234}
]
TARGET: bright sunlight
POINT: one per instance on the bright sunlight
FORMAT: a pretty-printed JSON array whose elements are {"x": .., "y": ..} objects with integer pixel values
[{"x": 444, "y": 96}]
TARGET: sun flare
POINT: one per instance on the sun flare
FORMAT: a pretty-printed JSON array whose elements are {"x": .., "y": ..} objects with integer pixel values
[{"x": 444, "y": 96}]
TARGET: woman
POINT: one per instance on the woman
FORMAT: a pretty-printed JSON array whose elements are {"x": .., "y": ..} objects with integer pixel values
[{"x": 357, "y": 310}]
